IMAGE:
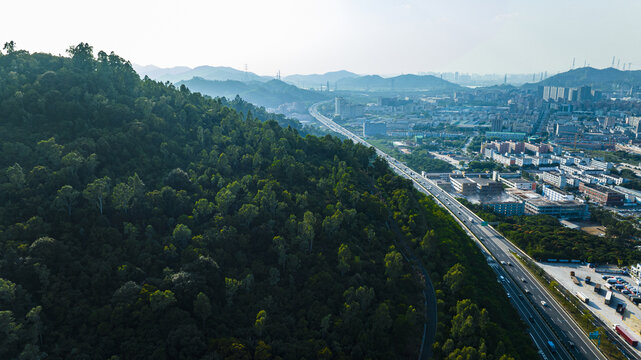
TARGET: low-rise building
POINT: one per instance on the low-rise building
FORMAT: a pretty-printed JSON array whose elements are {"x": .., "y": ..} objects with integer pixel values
[
  {"x": 602, "y": 165},
  {"x": 463, "y": 185},
  {"x": 505, "y": 135},
  {"x": 555, "y": 178},
  {"x": 536, "y": 204},
  {"x": 556, "y": 194},
  {"x": 487, "y": 187},
  {"x": 519, "y": 183},
  {"x": 601, "y": 195},
  {"x": 508, "y": 208}
]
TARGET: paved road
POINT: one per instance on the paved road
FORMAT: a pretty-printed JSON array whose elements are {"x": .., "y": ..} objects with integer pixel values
[{"x": 540, "y": 319}]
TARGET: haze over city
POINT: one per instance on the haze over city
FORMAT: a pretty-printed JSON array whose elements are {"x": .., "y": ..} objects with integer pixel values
[{"x": 381, "y": 37}]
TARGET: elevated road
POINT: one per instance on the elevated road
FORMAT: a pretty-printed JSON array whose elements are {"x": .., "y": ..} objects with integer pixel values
[{"x": 546, "y": 319}]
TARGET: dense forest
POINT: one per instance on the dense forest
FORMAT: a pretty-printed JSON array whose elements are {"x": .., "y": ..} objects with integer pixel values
[{"x": 143, "y": 221}]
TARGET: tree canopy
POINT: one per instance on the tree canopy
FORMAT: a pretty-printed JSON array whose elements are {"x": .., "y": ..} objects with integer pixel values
[{"x": 139, "y": 220}]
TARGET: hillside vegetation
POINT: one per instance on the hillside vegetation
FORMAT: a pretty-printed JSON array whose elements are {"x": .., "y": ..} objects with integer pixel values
[
  {"x": 143, "y": 221},
  {"x": 602, "y": 79},
  {"x": 270, "y": 94}
]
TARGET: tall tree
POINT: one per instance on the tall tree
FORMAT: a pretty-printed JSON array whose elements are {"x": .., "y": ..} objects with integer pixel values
[
  {"x": 97, "y": 191},
  {"x": 122, "y": 196},
  {"x": 202, "y": 307},
  {"x": 66, "y": 197}
]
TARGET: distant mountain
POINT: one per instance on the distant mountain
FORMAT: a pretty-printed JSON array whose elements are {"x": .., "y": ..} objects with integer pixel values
[
  {"x": 602, "y": 79},
  {"x": 220, "y": 73},
  {"x": 314, "y": 80},
  {"x": 397, "y": 83},
  {"x": 270, "y": 94}
]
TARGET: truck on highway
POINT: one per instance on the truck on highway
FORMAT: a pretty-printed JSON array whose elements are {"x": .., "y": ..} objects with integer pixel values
[
  {"x": 575, "y": 280},
  {"x": 625, "y": 335},
  {"x": 583, "y": 297},
  {"x": 608, "y": 297},
  {"x": 597, "y": 288}
]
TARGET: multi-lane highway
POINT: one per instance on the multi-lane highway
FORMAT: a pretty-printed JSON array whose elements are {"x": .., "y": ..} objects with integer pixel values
[{"x": 546, "y": 319}]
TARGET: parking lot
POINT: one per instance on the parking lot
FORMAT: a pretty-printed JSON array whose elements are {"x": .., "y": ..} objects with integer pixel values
[{"x": 631, "y": 316}]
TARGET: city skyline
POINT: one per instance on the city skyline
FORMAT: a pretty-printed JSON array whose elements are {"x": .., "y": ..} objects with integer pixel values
[{"x": 294, "y": 37}]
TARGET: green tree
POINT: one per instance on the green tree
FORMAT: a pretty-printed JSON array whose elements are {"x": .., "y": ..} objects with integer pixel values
[
  {"x": 73, "y": 161},
  {"x": 203, "y": 209},
  {"x": 97, "y": 191},
  {"x": 259, "y": 324},
  {"x": 7, "y": 292},
  {"x": 306, "y": 229},
  {"x": 66, "y": 197},
  {"x": 122, "y": 196},
  {"x": 35, "y": 322},
  {"x": 344, "y": 258},
  {"x": 9, "y": 47},
  {"x": 231, "y": 287},
  {"x": 161, "y": 300},
  {"x": 202, "y": 307},
  {"x": 16, "y": 176},
  {"x": 82, "y": 55},
  {"x": 393, "y": 264},
  {"x": 182, "y": 234},
  {"x": 247, "y": 213}
]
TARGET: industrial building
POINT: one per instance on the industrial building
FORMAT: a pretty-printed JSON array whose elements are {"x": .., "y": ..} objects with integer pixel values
[
  {"x": 555, "y": 178},
  {"x": 556, "y": 194},
  {"x": 519, "y": 183},
  {"x": 601, "y": 195},
  {"x": 536, "y": 204},
  {"x": 508, "y": 208},
  {"x": 463, "y": 185}
]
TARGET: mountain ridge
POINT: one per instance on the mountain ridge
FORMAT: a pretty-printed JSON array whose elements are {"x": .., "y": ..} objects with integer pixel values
[
  {"x": 407, "y": 82},
  {"x": 602, "y": 79},
  {"x": 270, "y": 94}
]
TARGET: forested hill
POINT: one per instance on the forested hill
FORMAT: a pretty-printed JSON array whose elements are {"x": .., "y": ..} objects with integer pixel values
[
  {"x": 142, "y": 221},
  {"x": 601, "y": 79}
]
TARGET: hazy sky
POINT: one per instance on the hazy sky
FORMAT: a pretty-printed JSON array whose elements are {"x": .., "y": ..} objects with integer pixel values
[{"x": 364, "y": 36}]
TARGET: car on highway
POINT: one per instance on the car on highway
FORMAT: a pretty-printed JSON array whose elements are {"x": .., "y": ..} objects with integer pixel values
[
  {"x": 503, "y": 262},
  {"x": 543, "y": 303},
  {"x": 527, "y": 291},
  {"x": 523, "y": 280}
]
